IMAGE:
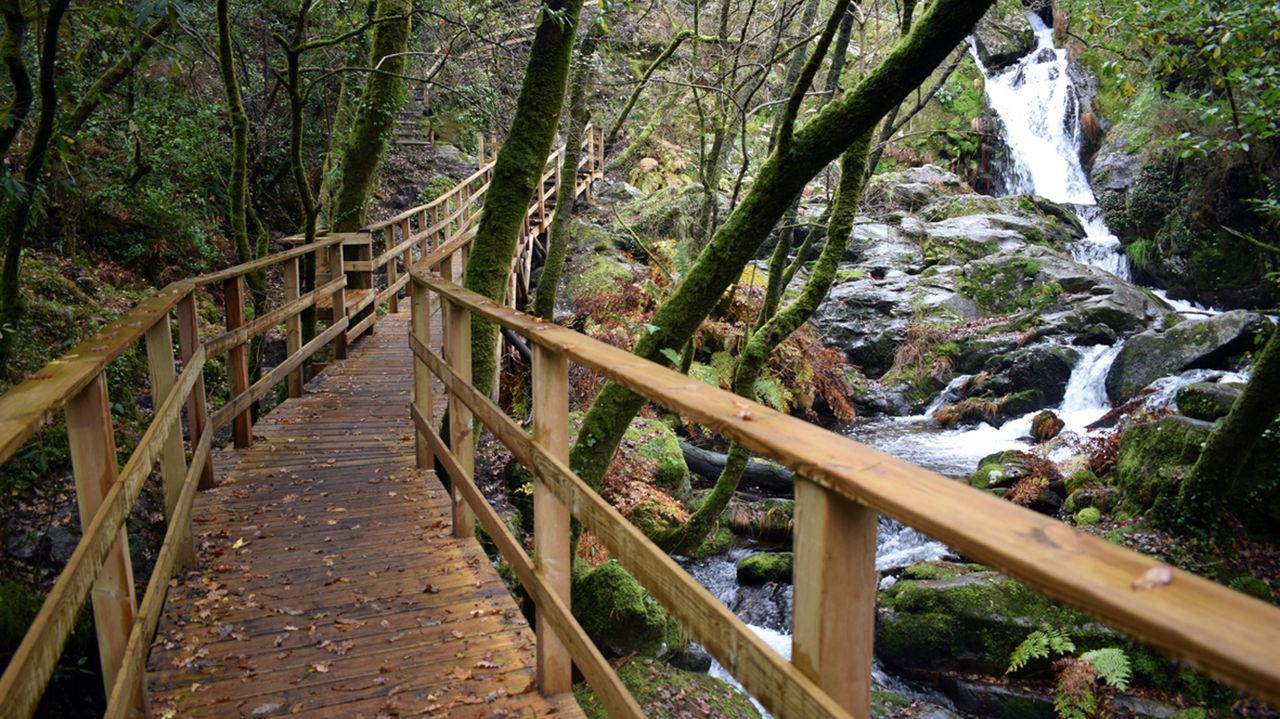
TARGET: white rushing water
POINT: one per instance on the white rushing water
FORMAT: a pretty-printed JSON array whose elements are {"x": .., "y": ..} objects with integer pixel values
[{"x": 1040, "y": 110}]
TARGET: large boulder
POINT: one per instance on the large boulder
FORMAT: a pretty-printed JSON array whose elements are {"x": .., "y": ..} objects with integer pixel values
[
  {"x": 620, "y": 616},
  {"x": 1003, "y": 35},
  {"x": 1039, "y": 220},
  {"x": 1154, "y": 457},
  {"x": 1046, "y": 368},
  {"x": 662, "y": 690},
  {"x": 1212, "y": 343},
  {"x": 913, "y": 188},
  {"x": 1207, "y": 401},
  {"x": 941, "y": 618}
]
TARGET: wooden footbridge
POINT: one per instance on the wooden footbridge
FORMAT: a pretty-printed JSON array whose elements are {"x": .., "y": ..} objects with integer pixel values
[{"x": 319, "y": 568}]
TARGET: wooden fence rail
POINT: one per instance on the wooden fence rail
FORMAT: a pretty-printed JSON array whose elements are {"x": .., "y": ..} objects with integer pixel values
[
  {"x": 841, "y": 487},
  {"x": 348, "y": 293}
]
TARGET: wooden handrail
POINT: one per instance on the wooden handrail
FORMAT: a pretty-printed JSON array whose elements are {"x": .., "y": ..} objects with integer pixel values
[
  {"x": 1229, "y": 635},
  {"x": 77, "y": 383}
]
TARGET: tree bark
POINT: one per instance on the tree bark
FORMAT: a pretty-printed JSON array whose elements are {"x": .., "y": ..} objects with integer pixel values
[
  {"x": 15, "y": 30},
  {"x": 517, "y": 171},
  {"x": 755, "y": 353},
  {"x": 10, "y": 295},
  {"x": 779, "y": 179},
  {"x": 238, "y": 188},
  {"x": 544, "y": 301},
  {"x": 1215, "y": 481},
  {"x": 376, "y": 115}
]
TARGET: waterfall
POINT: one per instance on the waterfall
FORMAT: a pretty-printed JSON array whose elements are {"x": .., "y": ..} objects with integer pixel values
[{"x": 1040, "y": 111}]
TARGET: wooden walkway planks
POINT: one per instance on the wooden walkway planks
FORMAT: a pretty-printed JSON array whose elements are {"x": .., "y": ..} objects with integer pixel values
[{"x": 329, "y": 583}]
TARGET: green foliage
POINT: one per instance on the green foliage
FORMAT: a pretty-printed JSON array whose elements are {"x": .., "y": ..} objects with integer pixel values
[
  {"x": 1040, "y": 644},
  {"x": 1088, "y": 516},
  {"x": 1111, "y": 665}
]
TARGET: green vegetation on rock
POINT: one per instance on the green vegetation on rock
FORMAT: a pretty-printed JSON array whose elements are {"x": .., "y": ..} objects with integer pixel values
[
  {"x": 764, "y": 568},
  {"x": 619, "y": 615}
]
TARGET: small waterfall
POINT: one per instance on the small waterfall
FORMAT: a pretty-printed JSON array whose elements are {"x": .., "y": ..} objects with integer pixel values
[
  {"x": 1086, "y": 389},
  {"x": 1040, "y": 111}
]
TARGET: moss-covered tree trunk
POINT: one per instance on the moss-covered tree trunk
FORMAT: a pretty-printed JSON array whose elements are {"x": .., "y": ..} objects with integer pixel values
[
  {"x": 517, "y": 171},
  {"x": 1215, "y": 481},
  {"x": 114, "y": 75},
  {"x": 778, "y": 180},
  {"x": 755, "y": 353},
  {"x": 15, "y": 32},
  {"x": 544, "y": 301},
  {"x": 19, "y": 210},
  {"x": 238, "y": 187},
  {"x": 375, "y": 116}
]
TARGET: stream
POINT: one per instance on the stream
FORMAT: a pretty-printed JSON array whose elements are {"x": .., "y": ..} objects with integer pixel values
[{"x": 1039, "y": 107}]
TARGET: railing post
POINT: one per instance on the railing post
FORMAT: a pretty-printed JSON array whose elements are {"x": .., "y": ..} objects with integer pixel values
[
  {"x": 93, "y": 461},
  {"x": 334, "y": 263},
  {"x": 480, "y": 156},
  {"x": 420, "y": 326},
  {"x": 197, "y": 407},
  {"x": 238, "y": 359},
  {"x": 833, "y": 618},
  {"x": 551, "y": 518},
  {"x": 393, "y": 273},
  {"x": 293, "y": 323},
  {"x": 173, "y": 461},
  {"x": 461, "y": 432}
]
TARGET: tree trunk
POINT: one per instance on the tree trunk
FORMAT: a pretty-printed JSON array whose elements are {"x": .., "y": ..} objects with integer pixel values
[
  {"x": 375, "y": 116},
  {"x": 1215, "y": 482},
  {"x": 544, "y": 301},
  {"x": 755, "y": 353},
  {"x": 10, "y": 295},
  {"x": 15, "y": 30},
  {"x": 238, "y": 188},
  {"x": 781, "y": 177},
  {"x": 517, "y": 171}
]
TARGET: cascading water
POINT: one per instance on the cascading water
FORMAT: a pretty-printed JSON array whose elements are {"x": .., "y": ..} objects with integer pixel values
[{"x": 1039, "y": 107}]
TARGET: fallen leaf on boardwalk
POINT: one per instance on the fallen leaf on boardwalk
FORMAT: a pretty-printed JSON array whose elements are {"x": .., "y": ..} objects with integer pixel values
[
  {"x": 321, "y": 668},
  {"x": 345, "y": 625},
  {"x": 486, "y": 664},
  {"x": 336, "y": 509},
  {"x": 431, "y": 589},
  {"x": 460, "y": 673},
  {"x": 456, "y": 634},
  {"x": 238, "y": 543},
  {"x": 1154, "y": 577}
]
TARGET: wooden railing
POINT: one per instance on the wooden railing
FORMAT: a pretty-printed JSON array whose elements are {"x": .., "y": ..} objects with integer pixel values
[
  {"x": 346, "y": 293},
  {"x": 841, "y": 487}
]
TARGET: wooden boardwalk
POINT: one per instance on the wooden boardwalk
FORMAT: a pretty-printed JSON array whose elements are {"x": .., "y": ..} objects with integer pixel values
[{"x": 329, "y": 583}]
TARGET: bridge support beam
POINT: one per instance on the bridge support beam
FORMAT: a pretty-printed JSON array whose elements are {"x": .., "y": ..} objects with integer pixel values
[
  {"x": 550, "y": 516},
  {"x": 420, "y": 327},
  {"x": 833, "y": 621},
  {"x": 457, "y": 347}
]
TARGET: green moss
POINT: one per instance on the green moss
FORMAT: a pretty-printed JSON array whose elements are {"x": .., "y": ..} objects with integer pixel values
[
  {"x": 1020, "y": 403},
  {"x": 619, "y": 615},
  {"x": 717, "y": 542},
  {"x": 1252, "y": 586},
  {"x": 653, "y": 440},
  {"x": 1088, "y": 516},
  {"x": 1152, "y": 459},
  {"x": 765, "y": 567},
  {"x": 596, "y": 273},
  {"x": 665, "y": 692},
  {"x": 1205, "y": 401},
  {"x": 939, "y": 570},
  {"x": 1008, "y": 285}
]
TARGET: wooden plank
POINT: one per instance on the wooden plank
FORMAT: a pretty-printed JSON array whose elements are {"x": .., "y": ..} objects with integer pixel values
[
  {"x": 361, "y": 327},
  {"x": 550, "y": 517},
  {"x": 287, "y": 312},
  {"x": 834, "y": 580},
  {"x": 617, "y": 700},
  {"x": 238, "y": 405},
  {"x": 391, "y": 291},
  {"x": 197, "y": 403},
  {"x": 173, "y": 461},
  {"x": 245, "y": 268},
  {"x": 238, "y": 360},
  {"x": 293, "y": 322},
  {"x": 32, "y": 664},
  {"x": 461, "y": 432},
  {"x": 170, "y": 556},
  {"x": 779, "y": 686},
  {"x": 333, "y": 262},
  {"x": 1230, "y": 636},
  {"x": 93, "y": 458},
  {"x": 420, "y": 329}
]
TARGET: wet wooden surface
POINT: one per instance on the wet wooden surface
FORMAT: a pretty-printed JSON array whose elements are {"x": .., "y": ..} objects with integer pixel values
[{"x": 329, "y": 583}]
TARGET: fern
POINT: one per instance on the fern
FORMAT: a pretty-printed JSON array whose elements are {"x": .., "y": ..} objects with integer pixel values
[
  {"x": 1112, "y": 666},
  {"x": 1038, "y": 645}
]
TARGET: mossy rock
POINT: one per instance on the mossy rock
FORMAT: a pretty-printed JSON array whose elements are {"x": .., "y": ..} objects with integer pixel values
[
  {"x": 718, "y": 542},
  {"x": 654, "y": 440},
  {"x": 763, "y": 568},
  {"x": 767, "y": 519},
  {"x": 1154, "y": 457},
  {"x": 620, "y": 616},
  {"x": 1207, "y": 401},
  {"x": 665, "y": 692},
  {"x": 596, "y": 272},
  {"x": 970, "y": 620}
]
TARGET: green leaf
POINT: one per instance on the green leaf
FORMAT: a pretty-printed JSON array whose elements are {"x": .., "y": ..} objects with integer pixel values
[{"x": 672, "y": 356}]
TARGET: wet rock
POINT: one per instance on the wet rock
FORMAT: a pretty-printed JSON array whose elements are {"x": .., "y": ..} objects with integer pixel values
[
  {"x": 1038, "y": 219},
  {"x": 693, "y": 658},
  {"x": 913, "y": 188},
  {"x": 1206, "y": 401},
  {"x": 56, "y": 545},
  {"x": 1046, "y": 368},
  {"x": 1096, "y": 334},
  {"x": 1003, "y": 35},
  {"x": 21, "y": 546},
  {"x": 1046, "y": 425},
  {"x": 764, "y": 568},
  {"x": 997, "y": 700},
  {"x": 1212, "y": 343}
]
